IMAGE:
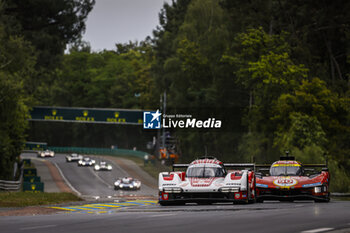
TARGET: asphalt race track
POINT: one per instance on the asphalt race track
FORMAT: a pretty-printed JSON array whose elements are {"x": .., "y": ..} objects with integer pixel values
[
  {"x": 270, "y": 217},
  {"x": 263, "y": 217},
  {"x": 92, "y": 183}
]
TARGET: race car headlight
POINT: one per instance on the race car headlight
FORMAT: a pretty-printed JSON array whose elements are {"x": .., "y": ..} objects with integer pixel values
[
  {"x": 116, "y": 183},
  {"x": 228, "y": 189},
  {"x": 97, "y": 167},
  {"x": 131, "y": 186},
  {"x": 93, "y": 161},
  {"x": 317, "y": 189},
  {"x": 109, "y": 167},
  {"x": 172, "y": 190},
  {"x": 121, "y": 186},
  {"x": 80, "y": 162}
]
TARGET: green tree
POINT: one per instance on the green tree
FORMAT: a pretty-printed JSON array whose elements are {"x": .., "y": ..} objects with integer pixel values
[
  {"x": 16, "y": 64},
  {"x": 48, "y": 24}
]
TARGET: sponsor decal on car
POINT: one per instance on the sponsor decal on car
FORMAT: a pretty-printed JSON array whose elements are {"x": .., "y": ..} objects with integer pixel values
[
  {"x": 183, "y": 184},
  {"x": 285, "y": 182},
  {"x": 262, "y": 185},
  {"x": 311, "y": 185},
  {"x": 201, "y": 182}
]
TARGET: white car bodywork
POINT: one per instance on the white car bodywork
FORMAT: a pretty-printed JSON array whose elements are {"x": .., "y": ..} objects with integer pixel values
[
  {"x": 103, "y": 166},
  {"x": 86, "y": 162},
  {"x": 46, "y": 153},
  {"x": 74, "y": 157},
  {"x": 206, "y": 180},
  {"x": 127, "y": 183}
]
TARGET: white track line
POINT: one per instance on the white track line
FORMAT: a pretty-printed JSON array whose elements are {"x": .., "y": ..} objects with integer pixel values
[
  {"x": 93, "y": 172},
  {"x": 317, "y": 230},
  {"x": 37, "y": 227},
  {"x": 160, "y": 215},
  {"x": 65, "y": 180}
]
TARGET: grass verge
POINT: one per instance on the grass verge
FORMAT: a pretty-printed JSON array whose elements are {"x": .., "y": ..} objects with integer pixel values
[
  {"x": 152, "y": 169},
  {"x": 22, "y": 199}
]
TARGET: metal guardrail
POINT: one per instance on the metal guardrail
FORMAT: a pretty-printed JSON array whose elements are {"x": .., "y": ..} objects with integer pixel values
[
  {"x": 98, "y": 151},
  {"x": 9, "y": 185}
]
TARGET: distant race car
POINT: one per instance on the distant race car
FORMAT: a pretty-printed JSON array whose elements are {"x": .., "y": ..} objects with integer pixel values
[
  {"x": 289, "y": 180},
  {"x": 46, "y": 153},
  {"x": 103, "y": 166},
  {"x": 73, "y": 157},
  {"x": 86, "y": 162},
  {"x": 127, "y": 183},
  {"x": 207, "y": 181}
]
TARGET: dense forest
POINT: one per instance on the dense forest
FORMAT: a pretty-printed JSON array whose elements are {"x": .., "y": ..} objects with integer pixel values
[{"x": 277, "y": 70}]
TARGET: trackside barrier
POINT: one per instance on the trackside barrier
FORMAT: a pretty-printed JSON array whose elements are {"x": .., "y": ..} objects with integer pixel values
[
  {"x": 33, "y": 187},
  {"x": 31, "y": 179},
  {"x": 27, "y": 162},
  {"x": 9, "y": 185},
  {"x": 29, "y": 172},
  {"x": 98, "y": 151}
]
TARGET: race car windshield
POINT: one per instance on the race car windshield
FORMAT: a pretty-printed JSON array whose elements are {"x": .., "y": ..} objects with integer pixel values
[
  {"x": 205, "y": 172},
  {"x": 286, "y": 171}
]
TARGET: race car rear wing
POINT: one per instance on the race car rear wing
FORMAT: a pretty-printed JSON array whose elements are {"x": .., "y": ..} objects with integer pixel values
[
  {"x": 315, "y": 165},
  {"x": 180, "y": 166},
  {"x": 262, "y": 167},
  {"x": 240, "y": 165},
  {"x": 308, "y": 166}
]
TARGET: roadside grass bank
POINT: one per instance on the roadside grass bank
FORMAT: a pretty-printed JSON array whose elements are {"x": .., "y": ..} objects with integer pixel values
[{"x": 23, "y": 199}]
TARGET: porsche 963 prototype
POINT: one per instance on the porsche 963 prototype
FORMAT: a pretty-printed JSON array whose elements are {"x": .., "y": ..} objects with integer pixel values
[{"x": 207, "y": 181}]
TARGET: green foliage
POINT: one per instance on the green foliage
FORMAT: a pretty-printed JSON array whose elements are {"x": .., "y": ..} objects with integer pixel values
[
  {"x": 13, "y": 118},
  {"x": 310, "y": 154},
  {"x": 33, "y": 36},
  {"x": 340, "y": 178},
  {"x": 16, "y": 64},
  {"x": 48, "y": 24},
  {"x": 105, "y": 79},
  {"x": 327, "y": 125},
  {"x": 303, "y": 131}
]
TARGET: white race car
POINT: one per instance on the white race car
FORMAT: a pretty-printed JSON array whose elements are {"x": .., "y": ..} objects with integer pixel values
[
  {"x": 127, "y": 183},
  {"x": 73, "y": 157},
  {"x": 207, "y": 181},
  {"x": 46, "y": 153},
  {"x": 103, "y": 166},
  {"x": 86, "y": 162}
]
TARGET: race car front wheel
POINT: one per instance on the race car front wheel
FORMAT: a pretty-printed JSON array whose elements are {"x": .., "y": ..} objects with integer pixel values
[{"x": 169, "y": 203}]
